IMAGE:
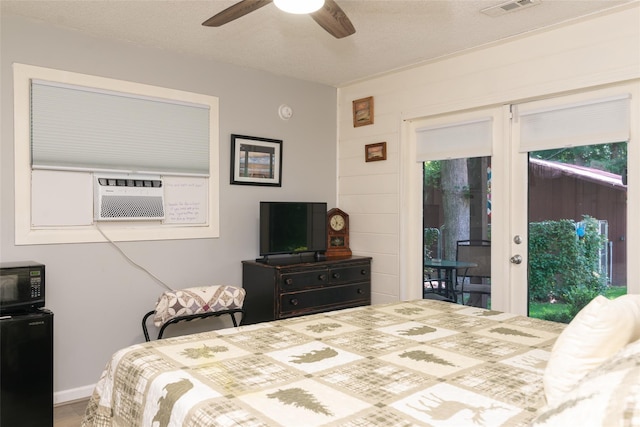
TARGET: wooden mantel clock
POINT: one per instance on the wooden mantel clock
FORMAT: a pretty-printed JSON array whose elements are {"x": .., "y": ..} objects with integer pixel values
[{"x": 337, "y": 234}]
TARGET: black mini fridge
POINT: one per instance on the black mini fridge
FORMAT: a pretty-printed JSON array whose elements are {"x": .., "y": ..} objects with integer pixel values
[{"x": 26, "y": 369}]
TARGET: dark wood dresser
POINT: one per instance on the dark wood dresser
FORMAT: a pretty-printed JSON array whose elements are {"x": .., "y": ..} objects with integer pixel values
[{"x": 288, "y": 290}]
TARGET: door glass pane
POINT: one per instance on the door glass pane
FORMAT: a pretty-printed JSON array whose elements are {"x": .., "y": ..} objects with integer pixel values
[
  {"x": 457, "y": 229},
  {"x": 577, "y": 227}
]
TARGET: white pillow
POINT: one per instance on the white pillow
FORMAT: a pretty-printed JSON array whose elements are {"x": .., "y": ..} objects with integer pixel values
[
  {"x": 597, "y": 332},
  {"x": 607, "y": 396}
]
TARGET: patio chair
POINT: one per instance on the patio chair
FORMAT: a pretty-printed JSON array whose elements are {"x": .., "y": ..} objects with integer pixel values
[{"x": 475, "y": 281}]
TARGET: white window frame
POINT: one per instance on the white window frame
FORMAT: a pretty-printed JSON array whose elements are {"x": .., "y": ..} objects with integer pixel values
[{"x": 25, "y": 234}]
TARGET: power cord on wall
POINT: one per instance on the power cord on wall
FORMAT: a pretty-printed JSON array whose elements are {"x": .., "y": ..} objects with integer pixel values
[{"x": 132, "y": 262}]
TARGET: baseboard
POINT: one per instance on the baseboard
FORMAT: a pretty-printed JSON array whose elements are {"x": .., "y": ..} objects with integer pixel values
[{"x": 70, "y": 395}]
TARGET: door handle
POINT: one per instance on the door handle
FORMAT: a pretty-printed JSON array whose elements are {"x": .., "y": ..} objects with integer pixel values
[{"x": 516, "y": 259}]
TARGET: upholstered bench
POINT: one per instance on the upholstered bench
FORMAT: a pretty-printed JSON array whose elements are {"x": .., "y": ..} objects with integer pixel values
[{"x": 195, "y": 303}]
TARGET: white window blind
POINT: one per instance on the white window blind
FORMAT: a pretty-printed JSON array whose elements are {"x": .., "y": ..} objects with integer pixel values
[
  {"x": 75, "y": 127},
  {"x": 471, "y": 138},
  {"x": 597, "y": 121}
]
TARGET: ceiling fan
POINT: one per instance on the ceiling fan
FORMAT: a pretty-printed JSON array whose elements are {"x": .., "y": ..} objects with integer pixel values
[{"x": 329, "y": 16}]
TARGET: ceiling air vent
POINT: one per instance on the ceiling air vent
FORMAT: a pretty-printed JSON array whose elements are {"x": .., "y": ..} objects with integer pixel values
[{"x": 510, "y": 6}]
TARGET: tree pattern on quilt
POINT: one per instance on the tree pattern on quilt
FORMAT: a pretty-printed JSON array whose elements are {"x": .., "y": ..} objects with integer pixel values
[
  {"x": 315, "y": 356},
  {"x": 205, "y": 351},
  {"x": 319, "y": 328},
  {"x": 300, "y": 398},
  {"x": 418, "y": 330},
  {"x": 409, "y": 311},
  {"x": 165, "y": 403},
  {"x": 488, "y": 313},
  {"x": 544, "y": 417},
  {"x": 513, "y": 332},
  {"x": 423, "y": 356}
]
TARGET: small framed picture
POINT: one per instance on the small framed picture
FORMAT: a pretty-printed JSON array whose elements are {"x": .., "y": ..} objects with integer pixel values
[
  {"x": 256, "y": 161},
  {"x": 363, "y": 111},
  {"x": 375, "y": 152}
]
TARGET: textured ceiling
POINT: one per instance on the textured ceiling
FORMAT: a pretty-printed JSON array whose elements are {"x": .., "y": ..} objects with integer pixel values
[{"x": 390, "y": 34}]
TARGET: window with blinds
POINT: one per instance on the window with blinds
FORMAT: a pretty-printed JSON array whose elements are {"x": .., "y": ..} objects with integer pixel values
[
  {"x": 69, "y": 127},
  {"x": 81, "y": 128},
  {"x": 561, "y": 123}
]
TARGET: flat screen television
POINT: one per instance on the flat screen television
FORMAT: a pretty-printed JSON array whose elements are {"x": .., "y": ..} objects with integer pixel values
[{"x": 292, "y": 228}]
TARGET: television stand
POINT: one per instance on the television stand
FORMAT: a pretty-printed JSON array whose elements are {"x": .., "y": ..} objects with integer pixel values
[{"x": 279, "y": 291}]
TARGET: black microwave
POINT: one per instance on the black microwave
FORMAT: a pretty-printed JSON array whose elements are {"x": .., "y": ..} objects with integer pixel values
[{"x": 21, "y": 286}]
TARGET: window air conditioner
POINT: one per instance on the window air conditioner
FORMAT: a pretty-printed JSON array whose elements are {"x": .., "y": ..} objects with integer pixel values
[{"x": 128, "y": 197}]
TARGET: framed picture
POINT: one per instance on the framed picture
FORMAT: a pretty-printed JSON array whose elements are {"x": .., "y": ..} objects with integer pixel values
[
  {"x": 375, "y": 152},
  {"x": 363, "y": 111},
  {"x": 256, "y": 161}
]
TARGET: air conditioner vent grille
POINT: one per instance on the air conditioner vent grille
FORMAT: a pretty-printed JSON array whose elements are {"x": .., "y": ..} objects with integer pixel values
[
  {"x": 128, "y": 198},
  {"x": 125, "y": 182},
  {"x": 131, "y": 207},
  {"x": 509, "y": 6}
]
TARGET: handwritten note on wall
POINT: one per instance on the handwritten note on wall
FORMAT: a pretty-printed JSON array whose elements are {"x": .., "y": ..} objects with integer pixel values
[{"x": 185, "y": 200}]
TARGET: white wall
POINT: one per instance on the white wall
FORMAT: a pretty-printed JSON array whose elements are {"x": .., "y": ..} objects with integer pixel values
[
  {"x": 97, "y": 297},
  {"x": 380, "y": 196}
]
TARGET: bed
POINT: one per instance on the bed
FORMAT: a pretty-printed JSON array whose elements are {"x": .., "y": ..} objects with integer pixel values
[{"x": 415, "y": 363}]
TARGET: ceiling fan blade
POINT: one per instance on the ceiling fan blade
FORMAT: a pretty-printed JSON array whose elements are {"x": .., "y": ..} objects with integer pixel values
[
  {"x": 234, "y": 12},
  {"x": 333, "y": 20}
]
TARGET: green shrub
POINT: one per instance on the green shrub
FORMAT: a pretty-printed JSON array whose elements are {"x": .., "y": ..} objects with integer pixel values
[
  {"x": 430, "y": 238},
  {"x": 563, "y": 312},
  {"x": 562, "y": 264},
  {"x": 579, "y": 296},
  {"x": 557, "y": 316}
]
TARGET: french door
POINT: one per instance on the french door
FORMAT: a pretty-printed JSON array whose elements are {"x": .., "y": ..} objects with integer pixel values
[
  {"x": 455, "y": 152},
  {"x": 526, "y": 145},
  {"x": 569, "y": 198}
]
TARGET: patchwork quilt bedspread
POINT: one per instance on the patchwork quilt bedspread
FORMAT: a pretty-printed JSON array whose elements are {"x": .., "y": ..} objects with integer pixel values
[{"x": 417, "y": 363}]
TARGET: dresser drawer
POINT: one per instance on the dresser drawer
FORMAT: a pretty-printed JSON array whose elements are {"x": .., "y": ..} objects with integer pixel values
[
  {"x": 323, "y": 299},
  {"x": 304, "y": 279},
  {"x": 354, "y": 273}
]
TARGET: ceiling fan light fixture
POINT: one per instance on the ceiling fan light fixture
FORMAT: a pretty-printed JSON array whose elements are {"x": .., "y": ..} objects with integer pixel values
[{"x": 299, "y": 6}]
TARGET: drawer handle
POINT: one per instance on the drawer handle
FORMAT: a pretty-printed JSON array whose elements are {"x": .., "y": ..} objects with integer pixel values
[
  {"x": 322, "y": 277},
  {"x": 288, "y": 281},
  {"x": 360, "y": 291},
  {"x": 336, "y": 275},
  {"x": 363, "y": 272},
  {"x": 294, "y": 301}
]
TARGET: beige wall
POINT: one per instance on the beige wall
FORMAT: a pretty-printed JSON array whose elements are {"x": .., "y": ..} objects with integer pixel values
[
  {"x": 97, "y": 297},
  {"x": 380, "y": 196}
]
